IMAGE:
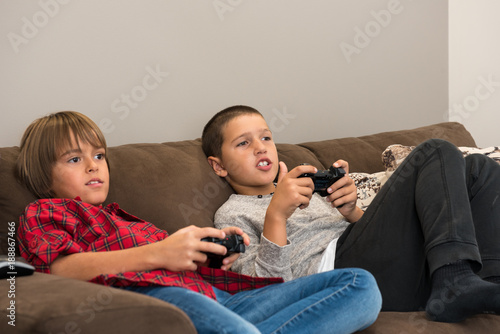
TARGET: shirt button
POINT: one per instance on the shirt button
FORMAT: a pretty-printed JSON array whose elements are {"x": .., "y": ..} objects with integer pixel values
[{"x": 33, "y": 243}]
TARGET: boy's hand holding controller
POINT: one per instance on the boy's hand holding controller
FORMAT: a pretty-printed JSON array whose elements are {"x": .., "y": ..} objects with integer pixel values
[
  {"x": 343, "y": 194},
  {"x": 291, "y": 192},
  {"x": 234, "y": 245},
  {"x": 184, "y": 249}
]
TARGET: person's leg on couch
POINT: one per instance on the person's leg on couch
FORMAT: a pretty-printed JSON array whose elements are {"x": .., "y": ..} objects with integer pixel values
[
  {"x": 418, "y": 235},
  {"x": 208, "y": 316},
  {"x": 338, "y": 301},
  {"x": 483, "y": 184}
]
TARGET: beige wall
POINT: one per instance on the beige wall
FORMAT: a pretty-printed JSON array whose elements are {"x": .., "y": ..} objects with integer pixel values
[
  {"x": 475, "y": 68},
  {"x": 154, "y": 71}
]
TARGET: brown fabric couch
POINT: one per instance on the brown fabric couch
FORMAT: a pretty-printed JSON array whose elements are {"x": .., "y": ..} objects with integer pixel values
[{"x": 171, "y": 185}]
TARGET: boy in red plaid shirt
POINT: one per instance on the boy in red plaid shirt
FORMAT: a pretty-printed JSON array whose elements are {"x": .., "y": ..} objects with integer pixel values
[{"x": 69, "y": 233}]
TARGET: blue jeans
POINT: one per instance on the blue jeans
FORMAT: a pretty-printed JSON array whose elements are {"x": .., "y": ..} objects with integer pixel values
[{"x": 338, "y": 301}]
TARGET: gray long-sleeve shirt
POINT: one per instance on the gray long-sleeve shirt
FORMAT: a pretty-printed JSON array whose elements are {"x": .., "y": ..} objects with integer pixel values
[{"x": 309, "y": 232}]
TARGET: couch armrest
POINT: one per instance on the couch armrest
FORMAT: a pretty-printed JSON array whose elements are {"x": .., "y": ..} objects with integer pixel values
[{"x": 53, "y": 304}]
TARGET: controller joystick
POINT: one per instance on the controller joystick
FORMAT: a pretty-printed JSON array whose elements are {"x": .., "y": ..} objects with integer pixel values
[
  {"x": 233, "y": 243},
  {"x": 324, "y": 178}
]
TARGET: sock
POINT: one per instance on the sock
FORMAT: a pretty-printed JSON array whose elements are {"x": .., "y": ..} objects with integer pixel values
[{"x": 458, "y": 293}]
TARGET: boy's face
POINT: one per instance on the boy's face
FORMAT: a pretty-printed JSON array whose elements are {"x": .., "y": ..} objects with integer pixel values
[
  {"x": 249, "y": 160},
  {"x": 81, "y": 171}
]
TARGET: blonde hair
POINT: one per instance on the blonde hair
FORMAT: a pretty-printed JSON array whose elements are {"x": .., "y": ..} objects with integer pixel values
[{"x": 45, "y": 139}]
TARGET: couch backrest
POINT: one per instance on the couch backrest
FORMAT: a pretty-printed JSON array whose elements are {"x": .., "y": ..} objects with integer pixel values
[
  {"x": 364, "y": 153},
  {"x": 172, "y": 185}
]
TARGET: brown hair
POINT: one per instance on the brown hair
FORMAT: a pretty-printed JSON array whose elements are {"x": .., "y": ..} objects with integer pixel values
[
  {"x": 45, "y": 139},
  {"x": 212, "y": 137}
]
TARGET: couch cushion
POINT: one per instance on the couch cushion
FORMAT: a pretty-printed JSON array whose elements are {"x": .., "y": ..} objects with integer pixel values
[
  {"x": 294, "y": 155},
  {"x": 53, "y": 304},
  {"x": 13, "y": 196},
  {"x": 417, "y": 323},
  {"x": 170, "y": 184}
]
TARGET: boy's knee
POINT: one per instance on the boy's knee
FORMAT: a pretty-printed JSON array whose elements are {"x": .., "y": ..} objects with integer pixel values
[
  {"x": 480, "y": 159},
  {"x": 368, "y": 295},
  {"x": 369, "y": 284},
  {"x": 477, "y": 164},
  {"x": 441, "y": 144},
  {"x": 364, "y": 276},
  {"x": 433, "y": 148}
]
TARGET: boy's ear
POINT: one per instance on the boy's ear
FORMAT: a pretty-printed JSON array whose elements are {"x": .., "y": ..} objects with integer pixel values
[{"x": 217, "y": 166}]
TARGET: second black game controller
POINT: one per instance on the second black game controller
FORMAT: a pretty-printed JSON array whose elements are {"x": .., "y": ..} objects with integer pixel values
[
  {"x": 11, "y": 267},
  {"x": 324, "y": 178},
  {"x": 233, "y": 243}
]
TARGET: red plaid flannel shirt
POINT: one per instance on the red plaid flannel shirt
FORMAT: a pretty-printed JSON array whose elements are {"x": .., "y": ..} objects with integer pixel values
[{"x": 53, "y": 227}]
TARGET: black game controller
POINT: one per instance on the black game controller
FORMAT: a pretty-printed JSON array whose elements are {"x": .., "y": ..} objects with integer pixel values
[
  {"x": 233, "y": 243},
  {"x": 11, "y": 267},
  {"x": 324, "y": 178}
]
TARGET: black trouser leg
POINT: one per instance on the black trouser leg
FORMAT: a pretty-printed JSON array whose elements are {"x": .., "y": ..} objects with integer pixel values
[
  {"x": 483, "y": 181},
  {"x": 420, "y": 220}
]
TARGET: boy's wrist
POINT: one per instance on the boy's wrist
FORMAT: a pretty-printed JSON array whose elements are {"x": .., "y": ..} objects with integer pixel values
[
  {"x": 355, "y": 215},
  {"x": 274, "y": 217},
  {"x": 275, "y": 228},
  {"x": 146, "y": 257}
]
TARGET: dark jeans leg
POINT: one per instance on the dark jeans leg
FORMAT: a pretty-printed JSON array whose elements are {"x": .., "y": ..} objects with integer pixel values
[
  {"x": 483, "y": 181},
  {"x": 420, "y": 220}
]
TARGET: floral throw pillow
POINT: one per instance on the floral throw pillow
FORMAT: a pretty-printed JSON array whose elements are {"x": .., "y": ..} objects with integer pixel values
[
  {"x": 394, "y": 155},
  {"x": 368, "y": 186}
]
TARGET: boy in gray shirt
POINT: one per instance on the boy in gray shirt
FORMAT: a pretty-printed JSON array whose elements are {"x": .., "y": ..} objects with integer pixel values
[{"x": 430, "y": 232}]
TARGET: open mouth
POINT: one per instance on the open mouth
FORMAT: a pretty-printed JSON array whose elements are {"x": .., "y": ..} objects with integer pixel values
[
  {"x": 94, "y": 181},
  {"x": 263, "y": 163}
]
